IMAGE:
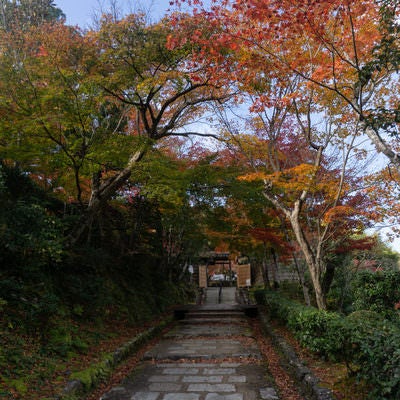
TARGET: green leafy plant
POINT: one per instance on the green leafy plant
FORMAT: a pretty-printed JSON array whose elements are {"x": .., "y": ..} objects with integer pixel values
[
  {"x": 366, "y": 341},
  {"x": 377, "y": 292}
]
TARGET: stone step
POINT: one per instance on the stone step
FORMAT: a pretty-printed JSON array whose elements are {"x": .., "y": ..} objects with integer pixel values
[
  {"x": 219, "y": 311},
  {"x": 218, "y": 307},
  {"x": 220, "y": 320},
  {"x": 217, "y": 317},
  {"x": 207, "y": 348},
  {"x": 209, "y": 330},
  {"x": 211, "y": 354},
  {"x": 213, "y": 314}
]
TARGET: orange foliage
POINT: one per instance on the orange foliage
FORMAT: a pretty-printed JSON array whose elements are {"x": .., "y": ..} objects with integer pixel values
[
  {"x": 253, "y": 176},
  {"x": 326, "y": 41},
  {"x": 338, "y": 213}
]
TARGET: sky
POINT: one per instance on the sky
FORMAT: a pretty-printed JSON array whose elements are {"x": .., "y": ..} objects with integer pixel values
[{"x": 80, "y": 12}]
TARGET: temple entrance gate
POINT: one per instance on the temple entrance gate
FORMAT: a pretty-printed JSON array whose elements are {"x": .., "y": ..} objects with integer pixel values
[{"x": 220, "y": 270}]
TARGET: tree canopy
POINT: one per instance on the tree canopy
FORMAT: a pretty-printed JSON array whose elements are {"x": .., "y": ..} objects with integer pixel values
[{"x": 242, "y": 126}]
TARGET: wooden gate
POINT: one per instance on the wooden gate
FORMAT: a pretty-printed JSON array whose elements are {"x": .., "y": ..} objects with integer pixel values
[{"x": 243, "y": 275}]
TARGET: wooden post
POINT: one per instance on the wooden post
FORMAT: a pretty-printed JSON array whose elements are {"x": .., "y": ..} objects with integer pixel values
[
  {"x": 243, "y": 276},
  {"x": 202, "y": 276}
]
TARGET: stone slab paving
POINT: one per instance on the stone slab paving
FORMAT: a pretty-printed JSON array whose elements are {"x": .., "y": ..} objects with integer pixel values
[
  {"x": 207, "y": 329},
  {"x": 203, "y": 348},
  {"x": 197, "y": 381},
  {"x": 201, "y": 362},
  {"x": 229, "y": 295}
]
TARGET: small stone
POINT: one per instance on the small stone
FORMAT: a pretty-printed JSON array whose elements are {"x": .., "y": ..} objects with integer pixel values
[
  {"x": 181, "y": 371},
  {"x": 164, "y": 387},
  {"x": 145, "y": 396},
  {"x": 219, "y": 371},
  {"x": 215, "y": 396},
  {"x": 237, "y": 379},
  {"x": 206, "y": 387},
  {"x": 202, "y": 379},
  {"x": 164, "y": 378},
  {"x": 268, "y": 394}
]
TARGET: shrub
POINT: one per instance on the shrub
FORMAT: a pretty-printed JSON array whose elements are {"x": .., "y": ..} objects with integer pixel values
[
  {"x": 279, "y": 307},
  {"x": 317, "y": 330},
  {"x": 377, "y": 292},
  {"x": 373, "y": 345},
  {"x": 365, "y": 340},
  {"x": 320, "y": 331}
]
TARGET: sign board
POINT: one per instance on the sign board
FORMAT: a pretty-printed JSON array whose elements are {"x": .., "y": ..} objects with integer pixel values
[
  {"x": 243, "y": 275},
  {"x": 203, "y": 276}
]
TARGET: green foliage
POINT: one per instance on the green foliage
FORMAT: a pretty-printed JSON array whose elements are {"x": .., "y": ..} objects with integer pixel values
[
  {"x": 19, "y": 385},
  {"x": 340, "y": 295},
  {"x": 317, "y": 331},
  {"x": 314, "y": 329},
  {"x": 278, "y": 306},
  {"x": 2, "y": 304},
  {"x": 93, "y": 375},
  {"x": 348, "y": 290},
  {"x": 12, "y": 353},
  {"x": 372, "y": 344},
  {"x": 29, "y": 232},
  {"x": 24, "y": 13},
  {"x": 365, "y": 340},
  {"x": 377, "y": 292},
  {"x": 30, "y": 247}
]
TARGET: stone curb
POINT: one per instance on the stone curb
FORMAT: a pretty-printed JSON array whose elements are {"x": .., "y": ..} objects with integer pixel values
[
  {"x": 303, "y": 375},
  {"x": 100, "y": 371}
]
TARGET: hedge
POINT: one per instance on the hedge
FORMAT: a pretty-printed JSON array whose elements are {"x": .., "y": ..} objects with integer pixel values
[{"x": 367, "y": 342}]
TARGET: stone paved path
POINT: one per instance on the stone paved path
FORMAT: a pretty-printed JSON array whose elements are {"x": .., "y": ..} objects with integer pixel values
[{"x": 209, "y": 355}]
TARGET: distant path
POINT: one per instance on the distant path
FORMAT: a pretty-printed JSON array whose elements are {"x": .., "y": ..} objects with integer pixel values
[
  {"x": 228, "y": 296},
  {"x": 209, "y": 355}
]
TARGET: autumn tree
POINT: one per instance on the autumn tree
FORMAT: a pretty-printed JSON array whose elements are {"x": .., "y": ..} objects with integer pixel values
[
  {"x": 316, "y": 193},
  {"x": 248, "y": 224},
  {"x": 347, "y": 48},
  {"x": 314, "y": 188},
  {"x": 25, "y": 13},
  {"x": 166, "y": 178},
  {"x": 304, "y": 60},
  {"x": 97, "y": 101},
  {"x": 47, "y": 106}
]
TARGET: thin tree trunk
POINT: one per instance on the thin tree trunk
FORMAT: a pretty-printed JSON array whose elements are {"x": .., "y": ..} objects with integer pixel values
[
  {"x": 299, "y": 269},
  {"x": 275, "y": 269},
  {"x": 265, "y": 274},
  {"x": 314, "y": 265},
  {"x": 300, "y": 273}
]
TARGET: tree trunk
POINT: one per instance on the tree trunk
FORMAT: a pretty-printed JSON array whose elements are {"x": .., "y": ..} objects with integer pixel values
[
  {"x": 101, "y": 193},
  {"x": 300, "y": 273},
  {"x": 299, "y": 269},
  {"x": 315, "y": 266},
  {"x": 275, "y": 269},
  {"x": 381, "y": 145},
  {"x": 328, "y": 278},
  {"x": 265, "y": 274}
]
